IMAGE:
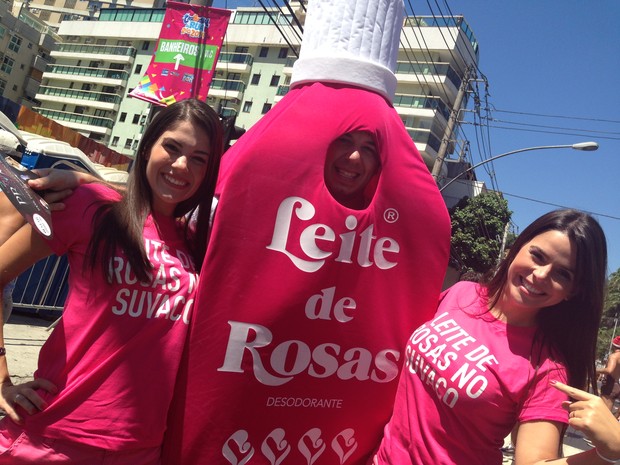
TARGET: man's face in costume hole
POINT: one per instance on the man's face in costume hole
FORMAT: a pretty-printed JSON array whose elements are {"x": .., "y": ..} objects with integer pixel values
[{"x": 351, "y": 162}]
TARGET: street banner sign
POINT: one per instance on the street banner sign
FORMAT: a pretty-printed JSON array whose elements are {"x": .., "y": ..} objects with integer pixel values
[{"x": 185, "y": 56}]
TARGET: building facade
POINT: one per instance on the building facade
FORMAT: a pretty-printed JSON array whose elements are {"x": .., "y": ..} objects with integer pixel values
[
  {"x": 25, "y": 48},
  {"x": 99, "y": 62}
]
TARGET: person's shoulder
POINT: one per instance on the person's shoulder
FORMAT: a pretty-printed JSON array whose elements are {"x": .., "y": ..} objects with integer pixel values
[
  {"x": 96, "y": 191},
  {"x": 465, "y": 287}
]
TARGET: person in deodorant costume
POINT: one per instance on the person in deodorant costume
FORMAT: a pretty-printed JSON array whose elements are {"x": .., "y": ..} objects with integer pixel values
[{"x": 305, "y": 303}]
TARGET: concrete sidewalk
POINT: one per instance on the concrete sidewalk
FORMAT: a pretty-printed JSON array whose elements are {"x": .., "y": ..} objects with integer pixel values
[{"x": 23, "y": 337}]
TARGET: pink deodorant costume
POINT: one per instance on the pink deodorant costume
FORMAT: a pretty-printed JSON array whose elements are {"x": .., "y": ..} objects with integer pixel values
[{"x": 304, "y": 305}]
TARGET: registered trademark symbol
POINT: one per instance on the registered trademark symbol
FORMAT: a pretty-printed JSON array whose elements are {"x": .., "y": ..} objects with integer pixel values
[{"x": 390, "y": 215}]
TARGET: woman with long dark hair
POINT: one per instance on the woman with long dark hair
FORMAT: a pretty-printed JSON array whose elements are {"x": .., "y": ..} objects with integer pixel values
[
  {"x": 106, "y": 374},
  {"x": 487, "y": 360}
]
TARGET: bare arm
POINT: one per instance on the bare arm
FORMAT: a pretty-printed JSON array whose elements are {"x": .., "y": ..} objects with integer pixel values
[
  {"x": 538, "y": 441},
  {"x": 59, "y": 184},
  {"x": 590, "y": 415},
  {"x": 612, "y": 368},
  {"x": 24, "y": 248},
  {"x": 10, "y": 219}
]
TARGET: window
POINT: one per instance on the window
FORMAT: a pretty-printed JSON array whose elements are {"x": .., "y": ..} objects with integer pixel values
[
  {"x": 266, "y": 108},
  {"x": 134, "y": 146},
  {"x": 255, "y": 79},
  {"x": 2, "y": 86},
  {"x": 101, "y": 41},
  {"x": 283, "y": 52},
  {"x": 30, "y": 45},
  {"x": 114, "y": 142},
  {"x": 15, "y": 88},
  {"x": 70, "y": 4},
  {"x": 14, "y": 44},
  {"x": 123, "y": 117},
  {"x": 45, "y": 15},
  {"x": 275, "y": 80},
  {"x": 128, "y": 144},
  {"x": 7, "y": 65},
  {"x": 136, "y": 119},
  {"x": 79, "y": 110},
  {"x": 240, "y": 49},
  {"x": 145, "y": 45},
  {"x": 247, "y": 107},
  {"x": 86, "y": 86},
  {"x": 138, "y": 69},
  {"x": 263, "y": 52},
  {"x": 2, "y": 31}
]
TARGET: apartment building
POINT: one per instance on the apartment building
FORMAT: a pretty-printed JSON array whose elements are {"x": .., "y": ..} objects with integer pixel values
[
  {"x": 99, "y": 62},
  {"x": 54, "y": 12},
  {"x": 25, "y": 48}
]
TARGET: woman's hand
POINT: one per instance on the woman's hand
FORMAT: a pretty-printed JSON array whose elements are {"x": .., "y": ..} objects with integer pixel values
[
  {"x": 58, "y": 184},
  {"x": 24, "y": 397},
  {"x": 590, "y": 415}
]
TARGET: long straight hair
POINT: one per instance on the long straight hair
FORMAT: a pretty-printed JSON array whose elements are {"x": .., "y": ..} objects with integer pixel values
[
  {"x": 571, "y": 326},
  {"x": 120, "y": 225}
]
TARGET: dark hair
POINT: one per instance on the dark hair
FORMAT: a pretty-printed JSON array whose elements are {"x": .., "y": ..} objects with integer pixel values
[
  {"x": 121, "y": 224},
  {"x": 571, "y": 326}
]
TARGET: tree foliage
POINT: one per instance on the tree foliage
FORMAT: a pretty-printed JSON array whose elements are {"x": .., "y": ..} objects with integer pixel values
[
  {"x": 478, "y": 226},
  {"x": 612, "y": 300},
  {"x": 611, "y": 313}
]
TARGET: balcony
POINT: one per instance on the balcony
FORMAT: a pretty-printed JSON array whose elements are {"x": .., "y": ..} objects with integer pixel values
[
  {"x": 235, "y": 62},
  {"x": 98, "y": 100},
  {"x": 288, "y": 66},
  {"x": 438, "y": 75},
  {"x": 81, "y": 123},
  {"x": 108, "y": 53},
  {"x": 108, "y": 77},
  {"x": 227, "y": 89},
  {"x": 415, "y": 102},
  {"x": 227, "y": 111},
  {"x": 427, "y": 144},
  {"x": 40, "y": 63}
]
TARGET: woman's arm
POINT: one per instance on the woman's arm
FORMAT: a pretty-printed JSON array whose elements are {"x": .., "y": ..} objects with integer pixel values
[
  {"x": 590, "y": 415},
  {"x": 538, "y": 441},
  {"x": 20, "y": 251}
]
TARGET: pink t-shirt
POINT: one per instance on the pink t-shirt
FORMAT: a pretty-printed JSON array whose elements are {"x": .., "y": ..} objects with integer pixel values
[
  {"x": 305, "y": 304},
  {"x": 115, "y": 353},
  {"x": 468, "y": 379}
]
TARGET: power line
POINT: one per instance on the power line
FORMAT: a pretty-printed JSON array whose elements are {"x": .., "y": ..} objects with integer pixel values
[
  {"x": 543, "y": 132},
  {"x": 560, "y": 206},
  {"x": 552, "y": 127},
  {"x": 558, "y": 116}
]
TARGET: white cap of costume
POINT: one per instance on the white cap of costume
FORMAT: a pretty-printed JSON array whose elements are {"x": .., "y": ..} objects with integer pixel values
[{"x": 357, "y": 44}]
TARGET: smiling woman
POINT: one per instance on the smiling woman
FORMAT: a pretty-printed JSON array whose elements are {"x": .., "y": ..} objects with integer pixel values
[
  {"x": 485, "y": 362},
  {"x": 132, "y": 287},
  {"x": 177, "y": 165}
]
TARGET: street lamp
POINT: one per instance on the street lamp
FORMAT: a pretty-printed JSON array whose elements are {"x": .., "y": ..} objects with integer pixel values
[{"x": 585, "y": 146}]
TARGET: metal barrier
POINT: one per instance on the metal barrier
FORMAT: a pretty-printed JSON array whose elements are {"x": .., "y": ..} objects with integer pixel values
[{"x": 43, "y": 288}]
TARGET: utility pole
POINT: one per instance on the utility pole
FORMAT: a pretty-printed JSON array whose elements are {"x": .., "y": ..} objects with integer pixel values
[{"x": 452, "y": 121}]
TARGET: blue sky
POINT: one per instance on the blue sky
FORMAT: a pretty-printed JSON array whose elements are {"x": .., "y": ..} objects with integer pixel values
[{"x": 549, "y": 57}]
